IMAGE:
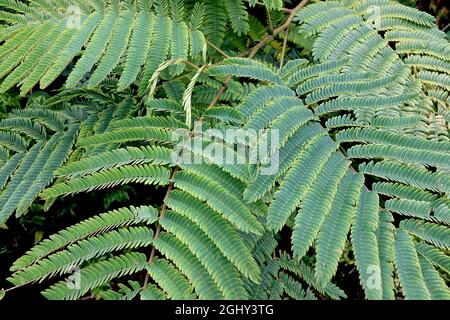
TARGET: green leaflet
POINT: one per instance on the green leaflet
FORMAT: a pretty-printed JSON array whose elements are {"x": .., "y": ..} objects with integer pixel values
[
  {"x": 145, "y": 174},
  {"x": 434, "y": 255},
  {"x": 31, "y": 59},
  {"x": 23, "y": 177},
  {"x": 97, "y": 274},
  {"x": 402, "y": 191},
  {"x": 168, "y": 277},
  {"x": 13, "y": 141},
  {"x": 45, "y": 60},
  {"x": 179, "y": 46},
  {"x": 365, "y": 244},
  {"x": 290, "y": 193},
  {"x": 220, "y": 269},
  {"x": 274, "y": 109},
  {"x": 311, "y": 215},
  {"x": 93, "y": 226},
  {"x": 14, "y": 42},
  {"x": 332, "y": 236},
  {"x": 57, "y": 157},
  {"x": 385, "y": 238},
  {"x": 137, "y": 48},
  {"x": 71, "y": 49},
  {"x": 306, "y": 273},
  {"x": 25, "y": 126},
  {"x": 233, "y": 209},
  {"x": 435, "y": 284},
  {"x": 115, "y": 158},
  {"x": 152, "y": 292},
  {"x": 115, "y": 49},
  {"x": 311, "y": 71},
  {"x": 126, "y": 135},
  {"x": 158, "y": 50},
  {"x": 287, "y": 155},
  {"x": 408, "y": 268},
  {"x": 189, "y": 265},
  {"x": 148, "y": 121},
  {"x": 408, "y": 174},
  {"x": 238, "y": 68},
  {"x": 215, "y": 23},
  {"x": 197, "y": 43},
  {"x": 77, "y": 253},
  {"x": 219, "y": 230},
  {"x": 258, "y": 98},
  {"x": 94, "y": 49},
  {"x": 274, "y": 4},
  {"x": 124, "y": 292},
  {"x": 408, "y": 155},
  {"x": 289, "y": 122},
  {"x": 431, "y": 232},
  {"x": 8, "y": 168},
  {"x": 420, "y": 209},
  {"x": 98, "y": 34},
  {"x": 238, "y": 16}
]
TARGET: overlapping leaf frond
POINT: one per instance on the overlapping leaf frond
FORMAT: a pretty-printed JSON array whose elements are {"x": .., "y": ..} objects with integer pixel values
[
  {"x": 380, "y": 61},
  {"x": 315, "y": 185},
  {"x": 199, "y": 222},
  {"x": 70, "y": 250},
  {"x": 134, "y": 35},
  {"x": 40, "y": 138},
  {"x": 384, "y": 92},
  {"x": 355, "y": 156},
  {"x": 28, "y": 170}
]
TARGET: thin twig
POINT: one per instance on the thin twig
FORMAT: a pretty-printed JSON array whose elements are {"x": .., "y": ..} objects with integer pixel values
[
  {"x": 259, "y": 45},
  {"x": 282, "y": 9},
  {"x": 158, "y": 228},
  {"x": 283, "y": 50},
  {"x": 217, "y": 49},
  {"x": 269, "y": 20}
]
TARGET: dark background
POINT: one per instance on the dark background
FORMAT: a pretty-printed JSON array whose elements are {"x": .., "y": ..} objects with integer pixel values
[{"x": 19, "y": 235}]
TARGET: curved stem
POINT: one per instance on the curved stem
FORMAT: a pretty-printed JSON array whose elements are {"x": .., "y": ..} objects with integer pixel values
[
  {"x": 217, "y": 49},
  {"x": 158, "y": 228},
  {"x": 282, "y": 9},
  {"x": 284, "y": 26},
  {"x": 283, "y": 50}
]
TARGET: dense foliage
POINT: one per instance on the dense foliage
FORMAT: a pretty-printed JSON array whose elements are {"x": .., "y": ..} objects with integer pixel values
[{"x": 100, "y": 94}]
